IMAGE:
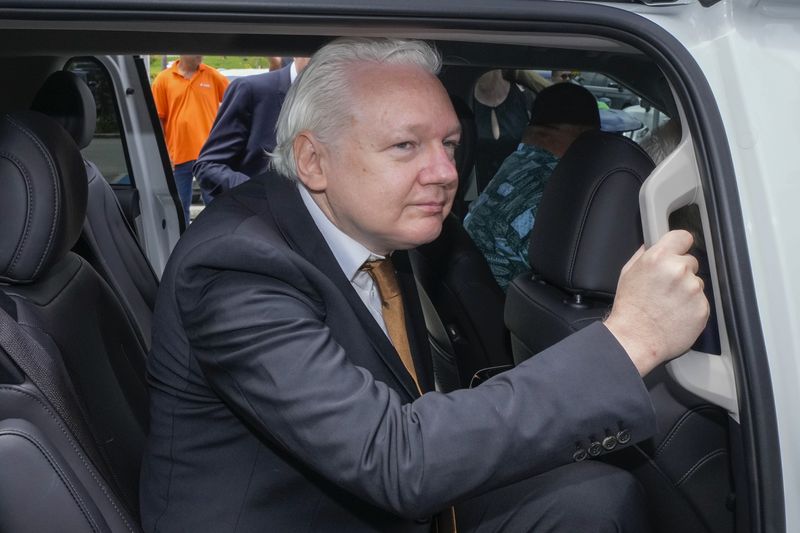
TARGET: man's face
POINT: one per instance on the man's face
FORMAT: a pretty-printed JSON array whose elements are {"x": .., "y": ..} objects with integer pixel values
[
  {"x": 191, "y": 62},
  {"x": 561, "y": 76},
  {"x": 390, "y": 178}
]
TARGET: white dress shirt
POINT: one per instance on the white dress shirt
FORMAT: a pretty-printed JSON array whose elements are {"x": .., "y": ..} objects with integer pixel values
[{"x": 351, "y": 256}]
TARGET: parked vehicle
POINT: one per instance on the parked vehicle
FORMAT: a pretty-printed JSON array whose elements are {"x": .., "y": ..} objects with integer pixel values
[{"x": 723, "y": 461}]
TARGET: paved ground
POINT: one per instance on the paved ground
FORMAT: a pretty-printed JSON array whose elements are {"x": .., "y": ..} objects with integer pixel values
[{"x": 194, "y": 210}]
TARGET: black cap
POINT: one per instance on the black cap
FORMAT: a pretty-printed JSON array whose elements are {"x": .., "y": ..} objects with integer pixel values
[{"x": 565, "y": 103}]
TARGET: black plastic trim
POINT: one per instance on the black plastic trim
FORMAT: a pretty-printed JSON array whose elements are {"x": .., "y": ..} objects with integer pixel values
[{"x": 155, "y": 123}]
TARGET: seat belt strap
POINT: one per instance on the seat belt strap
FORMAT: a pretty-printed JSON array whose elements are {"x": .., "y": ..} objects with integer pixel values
[{"x": 34, "y": 362}]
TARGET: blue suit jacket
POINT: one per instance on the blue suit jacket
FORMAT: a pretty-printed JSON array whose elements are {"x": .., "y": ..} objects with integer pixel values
[
  {"x": 243, "y": 130},
  {"x": 278, "y": 403}
]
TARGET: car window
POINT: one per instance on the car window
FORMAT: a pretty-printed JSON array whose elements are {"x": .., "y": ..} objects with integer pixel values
[{"x": 107, "y": 149}]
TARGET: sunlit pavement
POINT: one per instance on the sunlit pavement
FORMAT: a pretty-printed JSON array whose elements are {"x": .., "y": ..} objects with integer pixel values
[{"x": 194, "y": 210}]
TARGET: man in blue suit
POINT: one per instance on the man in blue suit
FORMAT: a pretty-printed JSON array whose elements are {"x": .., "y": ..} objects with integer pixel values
[
  {"x": 244, "y": 129},
  {"x": 290, "y": 376}
]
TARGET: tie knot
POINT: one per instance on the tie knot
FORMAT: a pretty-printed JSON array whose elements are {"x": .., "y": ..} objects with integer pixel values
[{"x": 382, "y": 272}]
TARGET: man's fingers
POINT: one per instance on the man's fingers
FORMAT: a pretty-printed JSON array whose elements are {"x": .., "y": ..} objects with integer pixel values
[
  {"x": 691, "y": 262},
  {"x": 676, "y": 241}
]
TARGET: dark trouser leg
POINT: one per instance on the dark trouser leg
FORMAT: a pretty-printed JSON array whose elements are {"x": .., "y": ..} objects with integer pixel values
[
  {"x": 588, "y": 497},
  {"x": 183, "y": 182}
]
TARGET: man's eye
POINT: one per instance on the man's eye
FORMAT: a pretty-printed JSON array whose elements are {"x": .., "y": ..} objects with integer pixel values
[
  {"x": 406, "y": 145},
  {"x": 451, "y": 145}
]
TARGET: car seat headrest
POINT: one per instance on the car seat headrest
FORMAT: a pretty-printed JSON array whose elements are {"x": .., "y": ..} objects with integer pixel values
[
  {"x": 67, "y": 99},
  {"x": 588, "y": 224},
  {"x": 43, "y": 204}
]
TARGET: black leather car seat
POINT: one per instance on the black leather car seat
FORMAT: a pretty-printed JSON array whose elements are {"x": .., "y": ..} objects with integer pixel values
[
  {"x": 107, "y": 241},
  {"x": 462, "y": 302},
  {"x": 587, "y": 227},
  {"x": 66, "y": 307}
]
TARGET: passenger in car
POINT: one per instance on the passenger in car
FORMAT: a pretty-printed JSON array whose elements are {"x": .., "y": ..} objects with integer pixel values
[
  {"x": 501, "y": 113},
  {"x": 291, "y": 381},
  {"x": 500, "y": 220}
]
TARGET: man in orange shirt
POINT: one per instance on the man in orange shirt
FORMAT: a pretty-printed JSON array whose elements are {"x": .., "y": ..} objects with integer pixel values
[{"x": 187, "y": 96}]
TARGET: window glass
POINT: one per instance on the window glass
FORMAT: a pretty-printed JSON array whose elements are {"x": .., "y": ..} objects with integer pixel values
[{"x": 107, "y": 149}]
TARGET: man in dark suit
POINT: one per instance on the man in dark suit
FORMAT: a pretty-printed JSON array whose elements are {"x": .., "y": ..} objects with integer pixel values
[
  {"x": 287, "y": 393},
  {"x": 244, "y": 129}
]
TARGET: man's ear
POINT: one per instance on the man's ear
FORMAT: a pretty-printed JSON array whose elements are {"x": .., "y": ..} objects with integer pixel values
[{"x": 308, "y": 154}]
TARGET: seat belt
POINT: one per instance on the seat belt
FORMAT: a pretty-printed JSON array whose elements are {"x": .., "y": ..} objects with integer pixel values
[{"x": 33, "y": 360}]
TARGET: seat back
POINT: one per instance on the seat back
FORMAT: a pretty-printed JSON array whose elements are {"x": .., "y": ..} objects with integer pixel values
[
  {"x": 63, "y": 304},
  {"x": 107, "y": 240},
  {"x": 462, "y": 302},
  {"x": 40, "y": 453},
  {"x": 587, "y": 227}
]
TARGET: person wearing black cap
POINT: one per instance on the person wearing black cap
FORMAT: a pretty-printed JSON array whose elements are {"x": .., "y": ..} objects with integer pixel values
[{"x": 501, "y": 218}]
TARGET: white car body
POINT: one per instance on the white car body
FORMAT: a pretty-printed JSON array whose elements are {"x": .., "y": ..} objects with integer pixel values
[
  {"x": 749, "y": 51},
  {"x": 733, "y": 67}
]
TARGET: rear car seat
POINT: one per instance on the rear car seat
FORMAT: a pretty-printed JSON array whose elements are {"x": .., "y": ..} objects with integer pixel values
[
  {"x": 65, "y": 306},
  {"x": 587, "y": 227},
  {"x": 107, "y": 241}
]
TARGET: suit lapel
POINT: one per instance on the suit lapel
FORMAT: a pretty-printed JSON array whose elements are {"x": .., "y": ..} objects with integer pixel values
[{"x": 301, "y": 233}]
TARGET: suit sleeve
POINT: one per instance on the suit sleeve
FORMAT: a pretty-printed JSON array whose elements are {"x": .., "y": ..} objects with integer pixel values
[
  {"x": 226, "y": 144},
  {"x": 265, "y": 349}
]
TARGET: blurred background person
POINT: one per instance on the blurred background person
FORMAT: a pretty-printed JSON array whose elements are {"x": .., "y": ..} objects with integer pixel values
[
  {"x": 244, "y": 131},
  {"x": 187, "y": 96}
]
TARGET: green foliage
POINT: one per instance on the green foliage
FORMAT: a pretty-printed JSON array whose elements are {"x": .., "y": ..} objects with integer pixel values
[{"x": 213, "y": 61}]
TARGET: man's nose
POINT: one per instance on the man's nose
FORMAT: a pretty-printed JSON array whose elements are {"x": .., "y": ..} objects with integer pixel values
[{"x": 441, "y": 168}]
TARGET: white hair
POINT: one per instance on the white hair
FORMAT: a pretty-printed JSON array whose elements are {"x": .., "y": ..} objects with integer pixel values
[{"x": 320, "y": 99}]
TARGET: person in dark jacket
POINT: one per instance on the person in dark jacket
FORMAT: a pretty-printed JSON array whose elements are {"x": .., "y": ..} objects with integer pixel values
[
  {"x": 290, "y": 376},
  {"x": 244, "y": 130}
]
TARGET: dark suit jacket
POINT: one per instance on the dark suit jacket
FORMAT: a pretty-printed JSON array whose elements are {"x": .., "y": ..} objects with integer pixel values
[
  {"x": 243, "y": 130},
  {"x": 278, "y": 404}
]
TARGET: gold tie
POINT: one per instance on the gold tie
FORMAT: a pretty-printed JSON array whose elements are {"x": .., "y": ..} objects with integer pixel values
[{"x": 382, "y": 272}]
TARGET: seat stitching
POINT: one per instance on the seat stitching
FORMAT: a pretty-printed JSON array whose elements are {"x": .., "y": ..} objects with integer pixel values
[
  {"x": 25, "y": 234},
  {"x": 58, "y": 470},
  {"x": 81, "y": 400},
  {"x": 702, "y": 461},
  {"x": 684, "y": 418},
  {"x": 75, "y": 448},
  {"x": 56, "y": 206}
]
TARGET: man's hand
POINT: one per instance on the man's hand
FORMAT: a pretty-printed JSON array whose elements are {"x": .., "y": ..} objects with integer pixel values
[{"x": 660, "y": 308}]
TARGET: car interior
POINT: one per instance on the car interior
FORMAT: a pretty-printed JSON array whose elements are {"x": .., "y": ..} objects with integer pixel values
[{"x": 86, "y": 215}]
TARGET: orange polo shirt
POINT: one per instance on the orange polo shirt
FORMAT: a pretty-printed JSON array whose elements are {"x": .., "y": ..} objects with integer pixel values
[{"x": 187, "y": 108}]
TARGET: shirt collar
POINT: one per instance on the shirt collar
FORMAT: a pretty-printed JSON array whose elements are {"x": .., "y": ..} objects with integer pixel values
[
  {"x": 292, "y": 72},
  {"x": 349, "y": 253}
]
